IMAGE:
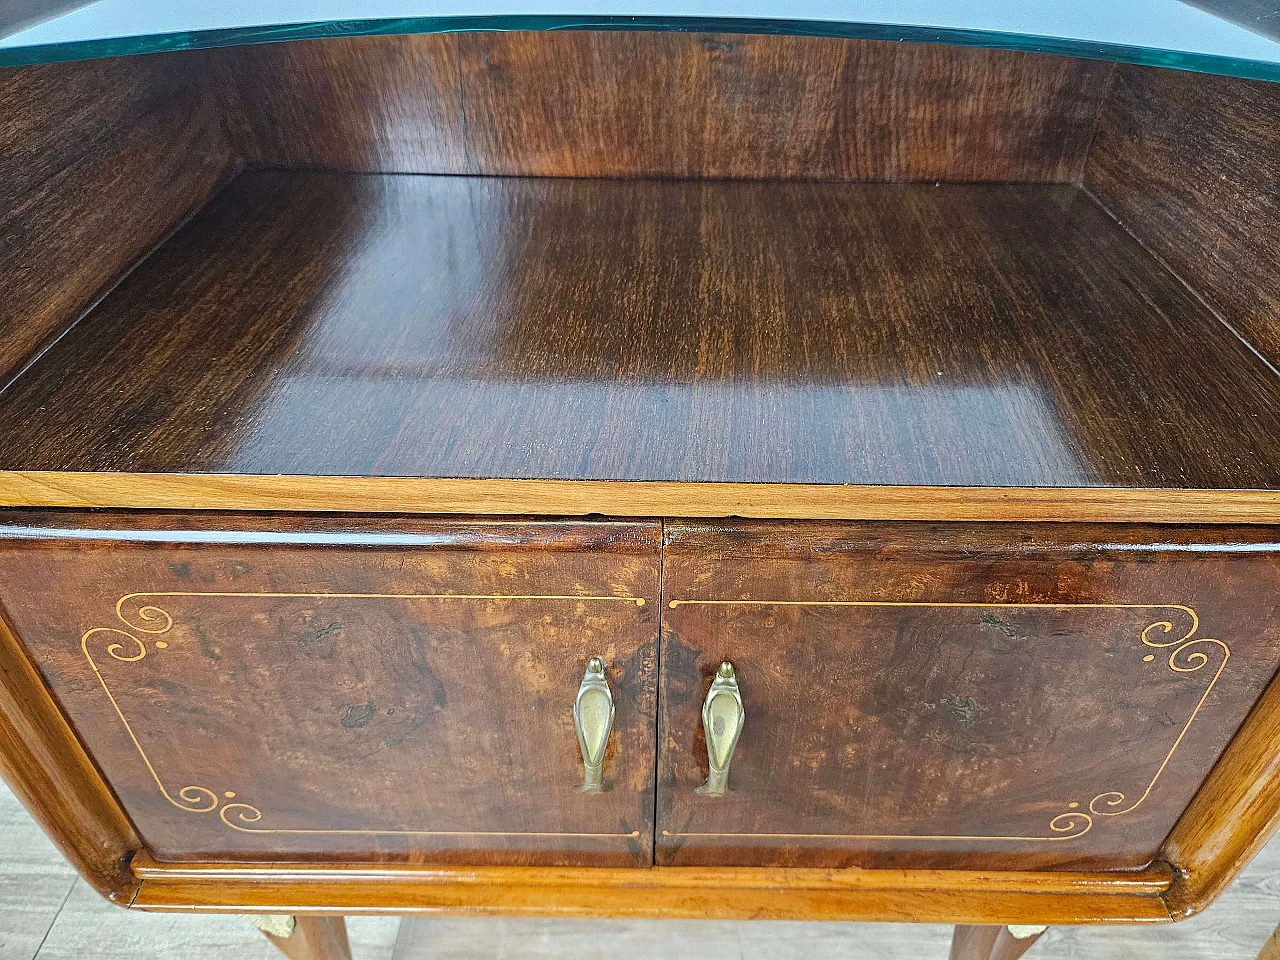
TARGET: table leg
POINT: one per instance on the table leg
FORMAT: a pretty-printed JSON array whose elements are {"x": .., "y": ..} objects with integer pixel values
[
  {"x": 307, "y": 938},
  {"x": 970, "y": 942},
  {"x": 1271, "y": 949}
]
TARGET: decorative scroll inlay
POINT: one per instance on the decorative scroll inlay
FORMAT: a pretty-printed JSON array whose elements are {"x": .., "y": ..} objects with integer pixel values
[
  {"x": 1187, "y": 654},
  {"x": 148, "y": 621}
]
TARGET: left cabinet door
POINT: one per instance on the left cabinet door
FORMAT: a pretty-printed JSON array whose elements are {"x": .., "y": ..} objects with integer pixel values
[{"x": 363, "y": 690}]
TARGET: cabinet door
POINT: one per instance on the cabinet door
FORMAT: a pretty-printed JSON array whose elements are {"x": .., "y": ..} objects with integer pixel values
[
  {"x": 362, "y": 690},
  {"x": 955, "y": 695}
]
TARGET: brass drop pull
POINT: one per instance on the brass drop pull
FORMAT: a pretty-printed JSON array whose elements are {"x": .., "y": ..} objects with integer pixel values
[
  {"x": 593, "y": 719},
  {"x": 722, "y": 719}
]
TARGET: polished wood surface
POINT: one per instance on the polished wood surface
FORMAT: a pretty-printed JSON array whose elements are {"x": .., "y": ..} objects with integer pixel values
[
  {"x": 645, "y": 104},
  {"x": 350, "y": 690},
  {"x": 350, "y": 103},
  {"x": 998, "y": 696},
  {"x": 635, "y": 498},
  {"x": 942, "y": 896},
  {"x": 1188, "y": 163},
  {"x": 98, "y": 162},
  {"x": 654, "y": 104},
  {"x": 321, "y": 341},
  {"x": 48, "y": 770},
  {"x": 606, "y": 330},
  {"x": 989, "y": 943},
  {"x": 1233, "y": 815}
]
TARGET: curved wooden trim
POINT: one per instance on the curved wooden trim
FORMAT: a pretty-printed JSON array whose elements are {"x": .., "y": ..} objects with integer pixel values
[
  {"x": 940, "y": 896},
  {"x": 634, "y": 498},
  {"x": 45, "y": 765},
  {"x": 1233, "y": 815}
]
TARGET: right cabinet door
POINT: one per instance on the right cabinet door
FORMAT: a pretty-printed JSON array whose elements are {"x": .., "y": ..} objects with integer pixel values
[{"x": 965, "y": 695}]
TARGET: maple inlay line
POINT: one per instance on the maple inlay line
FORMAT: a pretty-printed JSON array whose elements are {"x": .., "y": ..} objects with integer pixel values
[
  {"x": 193, "y": 798},
  {"x": 1073, "y": 822},
  {"x": 1068, "y": 825}
]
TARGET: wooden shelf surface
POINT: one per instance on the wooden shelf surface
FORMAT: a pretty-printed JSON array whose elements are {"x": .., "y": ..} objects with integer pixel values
[{"x": 458, "y": 328}]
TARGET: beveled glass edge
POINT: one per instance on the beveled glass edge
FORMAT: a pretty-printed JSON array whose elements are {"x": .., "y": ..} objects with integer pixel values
[{"x": 205, "y": 39}]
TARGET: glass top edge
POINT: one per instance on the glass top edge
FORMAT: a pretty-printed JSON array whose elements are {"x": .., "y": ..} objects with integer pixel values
[{"x": 953, "y": 36}]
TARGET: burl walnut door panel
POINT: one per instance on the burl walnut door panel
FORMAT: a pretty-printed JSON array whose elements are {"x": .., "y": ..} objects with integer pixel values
[
  {"x": 374, "y": 689},
  {"x": 955, "y": 695}
]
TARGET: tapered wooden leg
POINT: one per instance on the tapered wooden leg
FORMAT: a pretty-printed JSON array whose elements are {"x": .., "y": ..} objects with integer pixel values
[
  {"x": 1271, "y": 949},
  {"x": 992, "y": 943},
  {"x": 307, "y": 938}
]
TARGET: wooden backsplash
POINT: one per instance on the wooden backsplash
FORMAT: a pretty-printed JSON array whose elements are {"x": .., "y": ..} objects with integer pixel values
[
  {"x": 618, "y": 104},
  {"x": 99, "y": 160}
]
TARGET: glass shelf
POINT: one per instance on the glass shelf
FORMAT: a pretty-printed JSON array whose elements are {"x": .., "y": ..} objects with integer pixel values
[{"x": 1234, "y": 37}]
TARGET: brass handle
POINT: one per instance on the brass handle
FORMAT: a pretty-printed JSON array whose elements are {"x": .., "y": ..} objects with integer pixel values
[
  {"x": 722, "y": 719},
  {"x": 593, "y": 719}
]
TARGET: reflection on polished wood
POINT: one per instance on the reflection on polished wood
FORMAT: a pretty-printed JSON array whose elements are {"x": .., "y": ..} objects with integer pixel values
[
  {"x": 943, "y": 896},
  {"x": 803, "y": 333}
]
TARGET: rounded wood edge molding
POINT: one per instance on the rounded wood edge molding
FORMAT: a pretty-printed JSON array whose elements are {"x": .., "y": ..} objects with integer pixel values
[
  {"x": 941, "y": 896},
  {"x": 54, "y": 778},
  {"x": 1233, "y": 814},
  {"x": 633, "y": 498}
]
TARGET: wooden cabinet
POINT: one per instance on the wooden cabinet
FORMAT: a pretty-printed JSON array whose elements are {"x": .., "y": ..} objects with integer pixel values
[
  {"x": 967, "y": 696},
  {"x": 356, "y": 690},
  {"x": 983, "y": 696},
  {"x": 356, "y": 393}
]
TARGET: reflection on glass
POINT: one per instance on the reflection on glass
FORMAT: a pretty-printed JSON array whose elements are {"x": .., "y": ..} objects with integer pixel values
[{"x": 1237, "y": 37}]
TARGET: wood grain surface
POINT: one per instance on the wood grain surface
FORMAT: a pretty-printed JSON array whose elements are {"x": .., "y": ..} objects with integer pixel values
[
  {"x": 48, "y": 769},
  {"x": 920, "y": 695},
  {"x": 351, "y": 103},
  {"x": 797, "y": 501},
  {"x": 348, "y": 690},
  {"x": 99, "y": 161},
  {"x": 943, "y": 896},
  {"x": 1191, "y": 165},
  {"x": 313, "y": 324},
  {"x": 1233, "y": 814},
  {"x": 653, "y": 104},
  {"x": 988, "y": 942}
]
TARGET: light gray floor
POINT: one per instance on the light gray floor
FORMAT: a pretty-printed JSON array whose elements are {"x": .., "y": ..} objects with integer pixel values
[{"x": 46, "y": 912}]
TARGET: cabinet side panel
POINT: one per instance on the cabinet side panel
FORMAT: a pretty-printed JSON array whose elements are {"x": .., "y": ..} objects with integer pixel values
[
  {"x": 1190, "y": 164},
  {"x": 45, "y": 765},
  {"x": 98, "y": 161}
]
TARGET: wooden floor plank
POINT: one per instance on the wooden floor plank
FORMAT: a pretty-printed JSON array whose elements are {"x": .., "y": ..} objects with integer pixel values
[
  {"x": 34, "y": 881},
  {"x": 88, "y": 926}
]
